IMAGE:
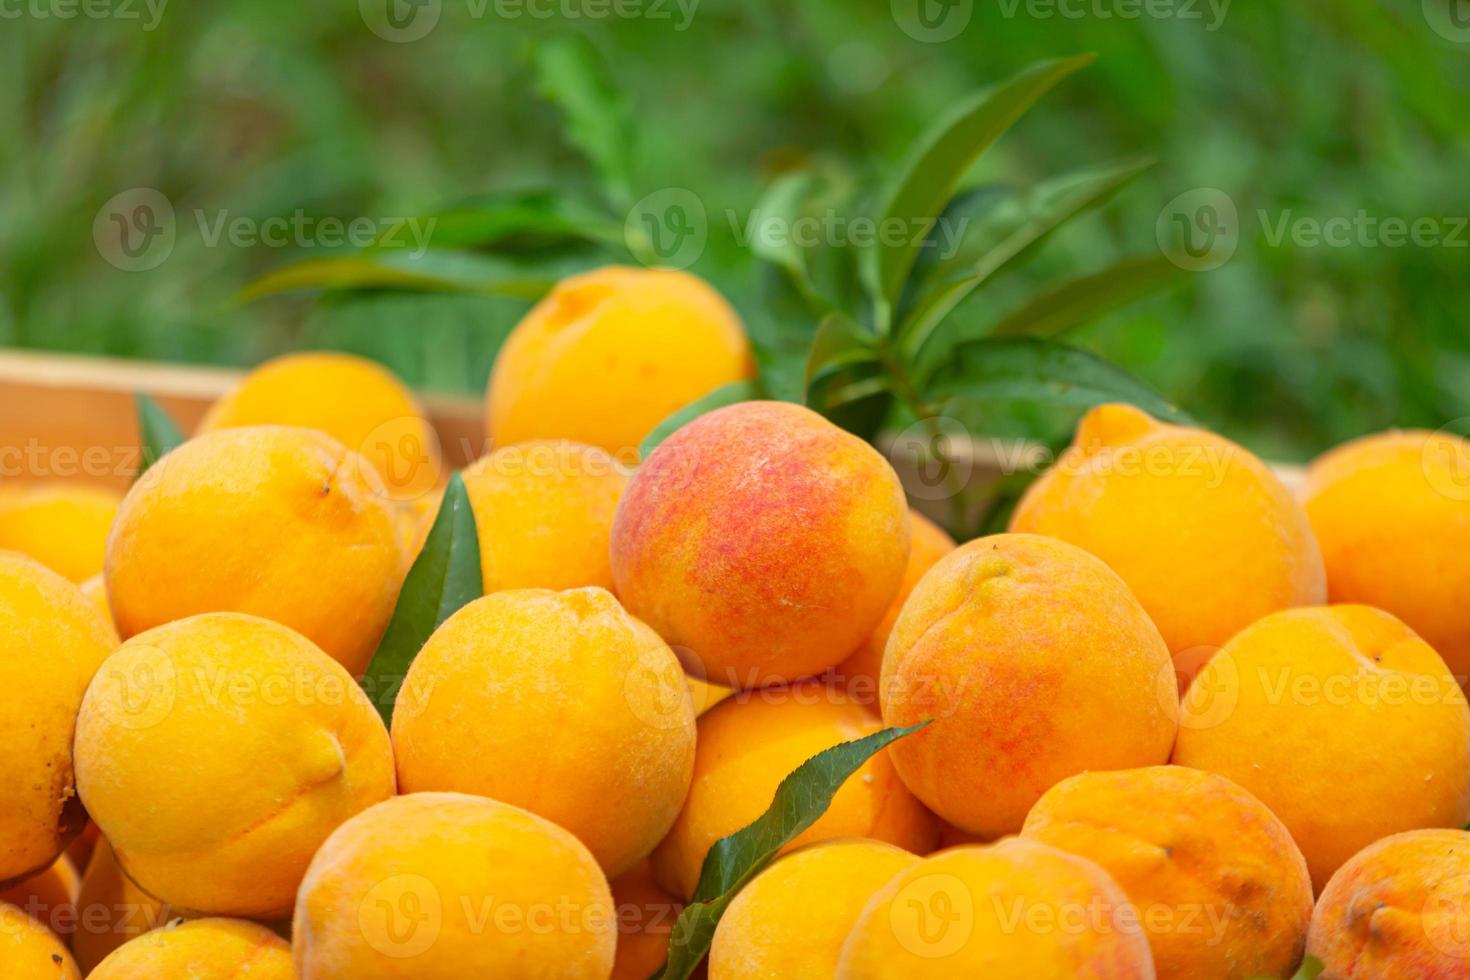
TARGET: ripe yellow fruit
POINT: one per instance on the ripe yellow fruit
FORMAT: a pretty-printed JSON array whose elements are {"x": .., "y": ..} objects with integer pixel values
[
  {"x": 356, "y": 401},
  {"x": 1203, "y": 532},
  {"x": 764, "y": 540},
  {"x": 63, "y": 526},
  {"x": 748, "y": 743},
  {"x": 30, "y": 951},
  {"x": 1021, "y": 649},
  {"x": 544, "y": 511},
  {"x": 441, "y": 885},
  {"x": 95, "y": 589},
  {"x": 646, "y": 916},
  {"x": 1396, "y": 910},
  {"x": 278, "y": 522},
  {"x": 49, "y": 897},
  {"x": 52, "y": 640},
  {"x": 792, "y": 920},
  {"x": 861, "y": 671},
  {"x": 111, "y": 910},
  {"x": 204, "y": 948},
  {"x": 1217, "y": 882},
  {"x": 559, "y": 702},
  {"x": 1018, "y": 908},
  {"x": 1306, "y": 695},
  {"x": 229, "y": 743},
  {"x": 1392, "y": 512},
  {"x": 609, "y": 354}
]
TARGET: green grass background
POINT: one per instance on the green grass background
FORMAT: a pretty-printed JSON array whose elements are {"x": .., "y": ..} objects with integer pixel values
[{"x": 1320, "y": 108}]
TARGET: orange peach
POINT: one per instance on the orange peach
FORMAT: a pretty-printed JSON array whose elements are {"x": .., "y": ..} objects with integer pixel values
[
  {"x": 1021, "y": 649},
  {"x": 646, "y": 915},
  {"x": 1203, "y": 532},
  {"x": 1218, "y": 884},
  {"x": 764, "y": 540}
]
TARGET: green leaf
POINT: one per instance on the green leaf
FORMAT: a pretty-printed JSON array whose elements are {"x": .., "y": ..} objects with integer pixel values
[
  {"x": 838, "y": 346},
  {"x": 1074, "y": 302},
  {"x": 928, "y": 179},
  {"x": 444, "y": 577},
  {"x": 571, "y": 74},
  {"x": 1051, "y": 205},
  {"x": 733, "y": 861},
  {"x": 436, "y": 270},
  {"x": 772, "y": 236},
  {"x": 157, "y": 433},
  {"x": 514, "y": 220},
  {"x": 1043, "y": 371},
  {"x": 730, "y": 394},
  {"x": 846, "y": 379}
]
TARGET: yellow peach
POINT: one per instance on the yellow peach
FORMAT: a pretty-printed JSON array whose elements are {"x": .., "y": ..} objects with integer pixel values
[
  {"x": 30, "y": 951},
  {"x": 63, "y": 526},
  {"x": 206, "y": 949}
]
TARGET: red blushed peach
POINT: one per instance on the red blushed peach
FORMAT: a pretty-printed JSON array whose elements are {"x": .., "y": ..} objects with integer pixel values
[{"x": 763, "y": 540}]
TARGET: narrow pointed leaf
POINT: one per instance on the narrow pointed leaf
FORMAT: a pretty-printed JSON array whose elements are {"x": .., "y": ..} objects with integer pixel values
[
  {"x": 1054, "y": 203},
  {"x": 733, "y": 861},
  {"x": 838, "y": 346},
  {"x": 508, "y": 221},
  {"x": 445, "y": 576},
  {"x": 1073, "y": 303},
  {"x": 598, "y": 120},
  {"x": 1041, "y": 371},
  {"x": 435, "y": 270},
  {"x": 157, "y": 433},
  {"x": 933, "y": 171},
  {"x": 772, "y": 234},
  {"x": 730, "y": 394}
]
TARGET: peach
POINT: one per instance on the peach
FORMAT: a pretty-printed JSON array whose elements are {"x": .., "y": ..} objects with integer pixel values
[
  {"x": 63, "y": 525},
  {"x": 762, "y": 539},
  {"x": 793, "y": 918},
  {"x": 646, "y": 916},
  {"x": 748, "y": 743},
  {"x": 1397, "y": 910},
  {"x": 111, "y": 910},
  {"x": 1021, "y": 649},
  {"x": 30, "y": 951},
  {"x": 209, "y": 949},
  {"x": 1307, "y": 695},
  {"x": 559, "y": 702},
  {"x": 49, "y": 897},
  {"x": 1018, "y": 908},
  {"x": 1219, "y": 886},
  {"x": 544, "y": 511},
  {"x": 1203, "y": 532},
  {"x": 1392, "y": 512},
  {"x": 611, "y": 353}
]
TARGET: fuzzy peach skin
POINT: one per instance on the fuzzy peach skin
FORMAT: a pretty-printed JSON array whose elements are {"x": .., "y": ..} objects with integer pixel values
[
  {"x": 1018, "y": 908},
  {"x": 559, "y": 702},
  {"x": 1306, "y": 696},
  {"x": 749, "y": 742},
  {"x": 30, "y": 951},
  {"x": 49, "y": 897},
  {"x": 544, "y": 511},
  {"x": 52, "y": 640},
  {"x": 95, "y": 589},
  {"x": 764, "y": 540},
  {"x": 1392, "y": 512},
  {"x": 356, "y": 401},
  {"x": 646, "y": 915},
  {"x": 444, "y": 886},
  {"x": 792, "y": 920},
  {"x": 1218, "y": 884},
  {"x": 111, "y": 910},
  {"x": 1397, "y": 910},
  {"x": 279, "y": 522},
  {"x": 203, "y": 949},
  {"x": 63, "y": 526},
  {"x": 1202, "y": 531},
  {"x": 1022, "y": 649},
  {"x": 611, "y": 353},
  {"x": 218, "y": 752},
  {"x": 929, "y": 544}
]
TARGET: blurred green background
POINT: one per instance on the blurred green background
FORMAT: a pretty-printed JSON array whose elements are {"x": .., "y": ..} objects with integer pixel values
[{"x": 1305, "y": 111}]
